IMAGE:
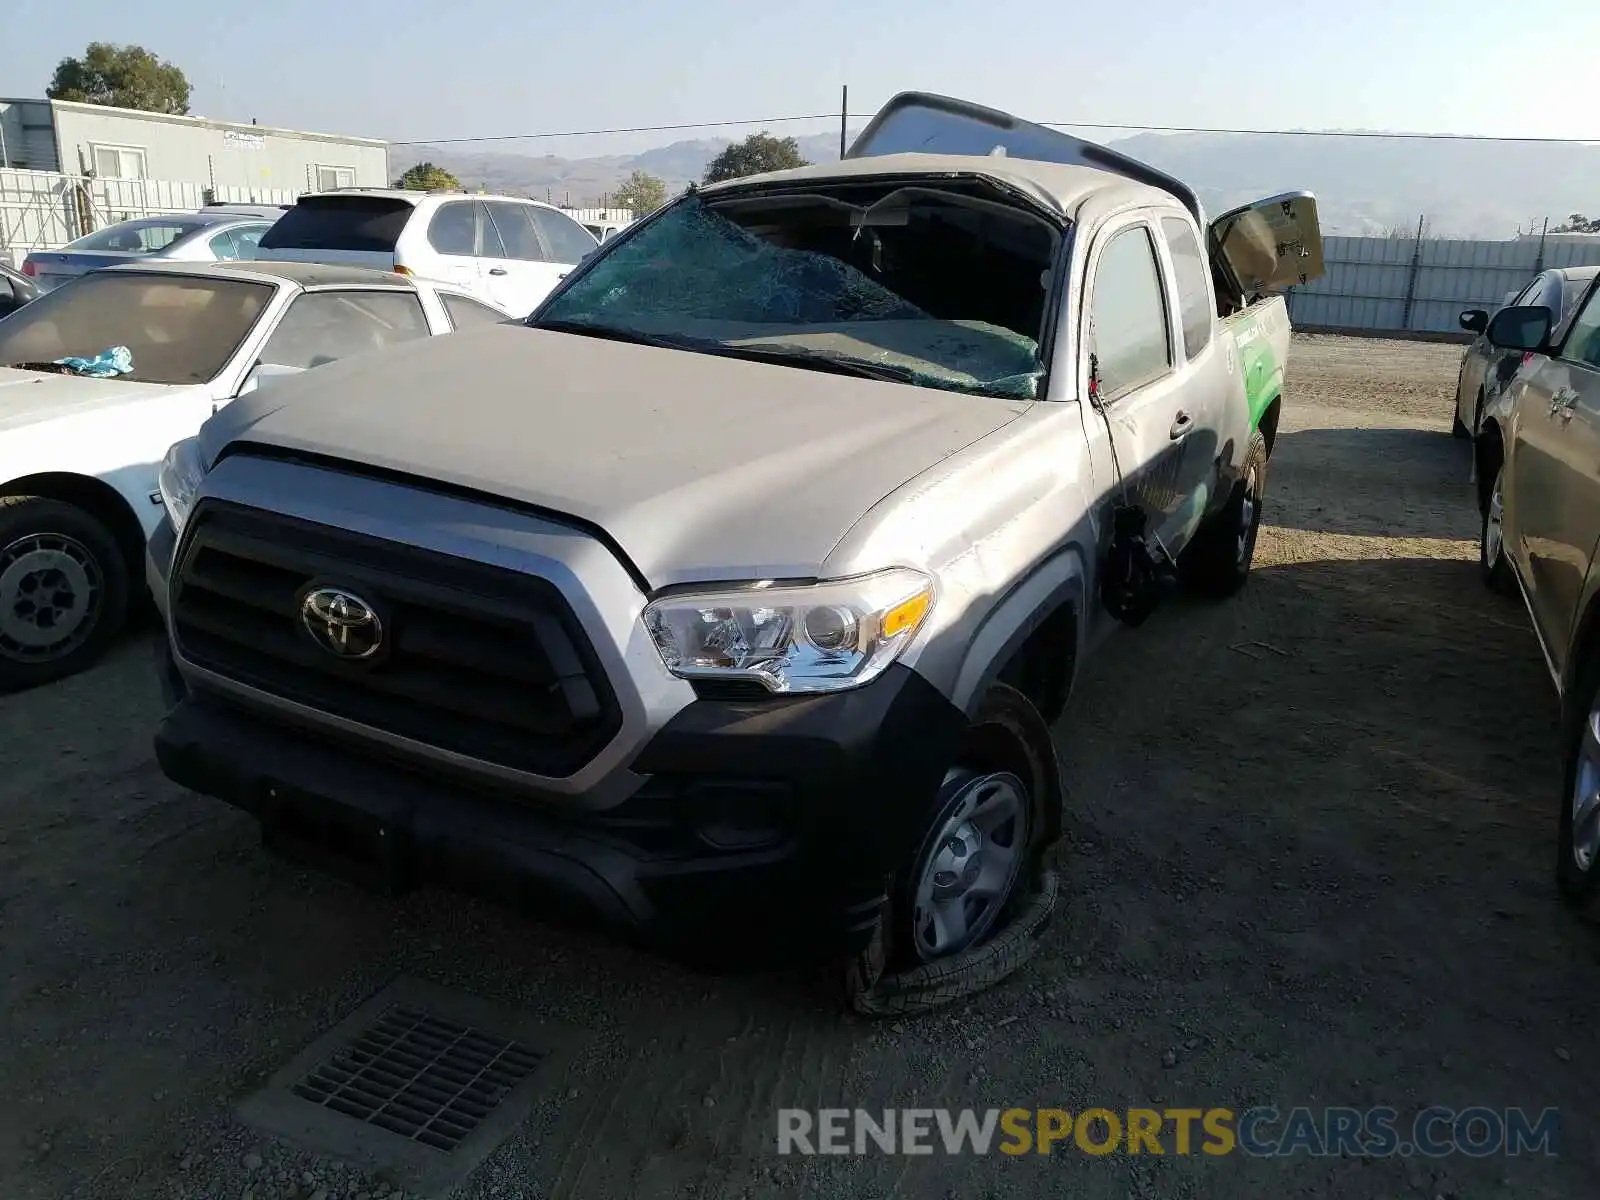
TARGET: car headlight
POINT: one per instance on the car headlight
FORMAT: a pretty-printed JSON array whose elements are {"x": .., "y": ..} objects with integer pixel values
[
  {"x": 821, "y": 637},
  {"x": 179, "y": 480}
]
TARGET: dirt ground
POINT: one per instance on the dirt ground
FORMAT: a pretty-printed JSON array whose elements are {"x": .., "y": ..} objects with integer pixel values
[{"x": 1309, "y": 862}]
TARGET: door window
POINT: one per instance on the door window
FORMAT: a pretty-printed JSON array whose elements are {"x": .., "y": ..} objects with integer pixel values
[
  {"x": 567, "y": 239},
  {"x": 516, "y": 230},
  {"x": 464, "y": 312},
  {"x": 322, "y": 327},
  {"x": 1190, "y": 275},
  {"x": 1583, "y": 342},
  {"x": 489, "y": 242},
  {"x": 222, "y": 246},
  {"x": 454, "y": 229},
  {"x": 247, "y": 239},
  {"x": 1128, "y": 316}
]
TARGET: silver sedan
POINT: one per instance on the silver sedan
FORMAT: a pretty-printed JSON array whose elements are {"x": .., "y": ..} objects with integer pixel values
[{"x": 181, "y": 237}]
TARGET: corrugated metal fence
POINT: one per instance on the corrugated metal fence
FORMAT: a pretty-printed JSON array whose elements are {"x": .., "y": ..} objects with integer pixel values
[
  {"x": 41, "y": 210},
  {"x": 1402, "y": 284}
]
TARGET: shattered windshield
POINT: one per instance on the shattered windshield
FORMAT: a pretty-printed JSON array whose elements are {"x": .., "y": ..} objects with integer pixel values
[{"x": 941, "y": 287}]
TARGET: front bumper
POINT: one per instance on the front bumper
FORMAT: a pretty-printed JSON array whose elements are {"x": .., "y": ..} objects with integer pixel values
[{"x": 765, "y": 831}]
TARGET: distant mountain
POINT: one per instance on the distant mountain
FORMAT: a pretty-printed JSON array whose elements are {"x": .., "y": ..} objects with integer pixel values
[{"x": 1365, "y": 185}]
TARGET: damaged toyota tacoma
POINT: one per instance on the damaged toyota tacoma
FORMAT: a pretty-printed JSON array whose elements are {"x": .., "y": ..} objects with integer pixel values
[{"x": 730, "y": 597}]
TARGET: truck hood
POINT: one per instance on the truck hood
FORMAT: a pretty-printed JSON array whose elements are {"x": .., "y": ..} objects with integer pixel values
[
  {"x": 31, "y": 397},
  {"x": 699, "y": 467}
]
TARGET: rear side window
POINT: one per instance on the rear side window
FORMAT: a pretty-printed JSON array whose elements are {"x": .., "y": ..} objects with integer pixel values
[
  {"x": 454, "y": 229},
  {"x": 322, "y": 327},
  {"x": 464, "y": 312},
  {"x": 1583, "y": 342},
  {"x": 372, "y": 223},
  {"x": 566, "y": 238},
  {"x": 1128, "y": 316},
  {"x": 1189, "y": 274}
]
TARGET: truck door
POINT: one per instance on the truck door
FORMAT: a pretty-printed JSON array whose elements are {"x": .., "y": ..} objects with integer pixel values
[
  {"x": 1552, "y": 522},
  {"x": 1130, "y": 368}
]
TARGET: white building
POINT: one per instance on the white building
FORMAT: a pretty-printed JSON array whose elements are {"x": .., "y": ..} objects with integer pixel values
[{"x": 123, "y": 143}]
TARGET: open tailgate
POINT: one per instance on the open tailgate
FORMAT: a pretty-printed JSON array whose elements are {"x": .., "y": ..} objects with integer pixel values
[{"x": 1270, "y": 245}]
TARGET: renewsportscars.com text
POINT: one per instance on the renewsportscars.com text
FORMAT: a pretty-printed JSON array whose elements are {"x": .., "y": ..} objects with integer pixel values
[{"x": 1258, "y": 1132}]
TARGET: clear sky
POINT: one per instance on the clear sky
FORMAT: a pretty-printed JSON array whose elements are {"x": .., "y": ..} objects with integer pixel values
[{"x": 421, "y": 69}]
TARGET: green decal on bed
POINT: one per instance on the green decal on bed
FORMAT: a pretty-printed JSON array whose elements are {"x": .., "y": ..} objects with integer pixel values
[{"x": 1258, "y": 359}]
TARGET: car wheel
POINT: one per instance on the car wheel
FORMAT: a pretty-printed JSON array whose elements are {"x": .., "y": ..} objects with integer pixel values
[
  {"x": 1458, "y": 430},
  {"x": 1578, "y": 815},
  {"x": 968, "y": 902},
  {"x": 63, "y": 590},
  {"x": 1492, "y": 565},
  {"x": 1217, "y": 562}
]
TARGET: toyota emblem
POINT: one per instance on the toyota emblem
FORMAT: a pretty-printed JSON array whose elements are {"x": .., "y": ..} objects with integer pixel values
[{"x": 341, "y": 622}]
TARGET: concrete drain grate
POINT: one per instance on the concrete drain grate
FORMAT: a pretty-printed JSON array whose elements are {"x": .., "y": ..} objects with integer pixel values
[
  {"x": 420, "y": 1075},
  {"x": 418, "y": 1085}
]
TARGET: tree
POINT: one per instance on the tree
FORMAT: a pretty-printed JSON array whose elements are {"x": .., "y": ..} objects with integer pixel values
[
  {"x": 428, "y": 177},
  {"x": 1578, "y": 223},
  {"x": 757, "y": 153},
  {"x": 640, "y": 193},
  {"x": 121, "y": 77}
]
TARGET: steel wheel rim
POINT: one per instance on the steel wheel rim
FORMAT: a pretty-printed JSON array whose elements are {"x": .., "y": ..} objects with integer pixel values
[
  {"x": 972, "y": 862},
  {"x": 1494, "y": 522},
  {"x": 51, "y": 589},
  {"x": 1584, "y": 810},
  {"x": 1247, "y": 516}
]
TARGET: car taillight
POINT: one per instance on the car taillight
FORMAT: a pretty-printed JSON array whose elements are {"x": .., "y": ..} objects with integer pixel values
[{"x": 29, "y": 269}]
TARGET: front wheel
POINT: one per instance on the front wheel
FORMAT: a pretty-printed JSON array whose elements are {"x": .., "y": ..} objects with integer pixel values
[
  {"x": 1217, "y": 562},
  {"x": 968, "y": 901},
  {"x": 63, "y": 590}
]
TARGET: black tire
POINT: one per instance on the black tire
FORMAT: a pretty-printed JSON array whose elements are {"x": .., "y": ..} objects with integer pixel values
[
  {"x": 1493, "y": 568},
  {"x": 42, "y": 532},
  {"x": 890, "y": 978},
  {"x": 1579, "y": 884},
  {"x": 1459, "y": 430},
  {"x": 1216, "y": 563}
]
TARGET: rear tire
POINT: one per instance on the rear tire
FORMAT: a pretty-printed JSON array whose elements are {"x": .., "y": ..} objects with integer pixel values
[
  {"x": 1492, "y": 565},
  {"x": 1459, "y": 430},
  {"x": 1216, "y": 563},
  {"x": 63, "y": 591},
  {"x": 1578, "y": 813},
  {"x": 991, "y": 823}
]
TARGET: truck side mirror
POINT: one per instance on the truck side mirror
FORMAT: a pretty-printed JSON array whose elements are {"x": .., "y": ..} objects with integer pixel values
[
  {"x": 1474, "y": 320},
  {"x": 1525, "y": 328}
]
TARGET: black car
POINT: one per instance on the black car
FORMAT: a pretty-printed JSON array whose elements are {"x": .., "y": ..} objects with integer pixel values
[{"x": 16, "y": 289}]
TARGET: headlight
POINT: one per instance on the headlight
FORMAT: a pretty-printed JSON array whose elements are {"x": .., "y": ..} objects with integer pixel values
[
  {"x": 181, "y": 473},
  {"x": 819, "y": 638}
]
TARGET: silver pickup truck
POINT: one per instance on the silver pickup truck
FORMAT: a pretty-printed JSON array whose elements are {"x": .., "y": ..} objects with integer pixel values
[{"x": 730, "y": 597}]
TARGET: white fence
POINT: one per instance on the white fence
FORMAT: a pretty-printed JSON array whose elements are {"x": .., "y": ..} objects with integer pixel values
[
  {"x": 41, "y": 210},
  {"x": 1400, "y": 285}
]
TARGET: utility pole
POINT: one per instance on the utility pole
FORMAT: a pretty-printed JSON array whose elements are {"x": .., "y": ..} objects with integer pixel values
[{"x": 844, "y": 116}]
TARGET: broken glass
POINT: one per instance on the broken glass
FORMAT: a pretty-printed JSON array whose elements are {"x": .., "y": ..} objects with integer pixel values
[{"x": 701, "y": 279}]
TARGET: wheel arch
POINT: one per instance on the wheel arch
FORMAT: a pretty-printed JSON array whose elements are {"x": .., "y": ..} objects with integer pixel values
[
  {"x": 1268, "y": 424},
  {"x": 96, "y": 497}
]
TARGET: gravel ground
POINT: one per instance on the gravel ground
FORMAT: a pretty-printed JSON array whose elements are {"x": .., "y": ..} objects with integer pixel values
[{"x": 1308, "y": 863}]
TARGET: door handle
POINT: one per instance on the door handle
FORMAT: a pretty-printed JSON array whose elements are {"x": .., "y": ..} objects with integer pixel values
[
  {"x": 497, "y": 270},
  {"x": 1181, "y": 426}
]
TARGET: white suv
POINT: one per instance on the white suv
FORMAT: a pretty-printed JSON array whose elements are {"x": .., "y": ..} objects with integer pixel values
[{"x": 506, "y": 250}]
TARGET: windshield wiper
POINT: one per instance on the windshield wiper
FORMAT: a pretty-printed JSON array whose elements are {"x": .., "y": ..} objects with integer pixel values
[
  {"x": 51, "y": 368},
  {"x": 609, "y": 333},
  {"x": 841, "y": 364}
]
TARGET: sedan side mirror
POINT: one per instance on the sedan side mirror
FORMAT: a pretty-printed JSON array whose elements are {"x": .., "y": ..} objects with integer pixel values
[
  {"x": 1525, "y": 328},
  {"x": 1474, "y": 320}
]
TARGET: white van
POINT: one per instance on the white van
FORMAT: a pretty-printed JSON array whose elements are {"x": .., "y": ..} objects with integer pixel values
[{"x": 506, "y": 250}]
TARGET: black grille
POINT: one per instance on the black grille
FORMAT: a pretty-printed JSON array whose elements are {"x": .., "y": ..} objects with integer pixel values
[
  {"x": 477, "y": 660},
  {"x": 426, "y": 1078}
]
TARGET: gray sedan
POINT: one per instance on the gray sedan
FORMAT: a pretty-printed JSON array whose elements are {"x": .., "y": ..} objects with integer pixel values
[
  {"x": 182, "y": 237},
  {"x": 1486, "y": 369}
]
